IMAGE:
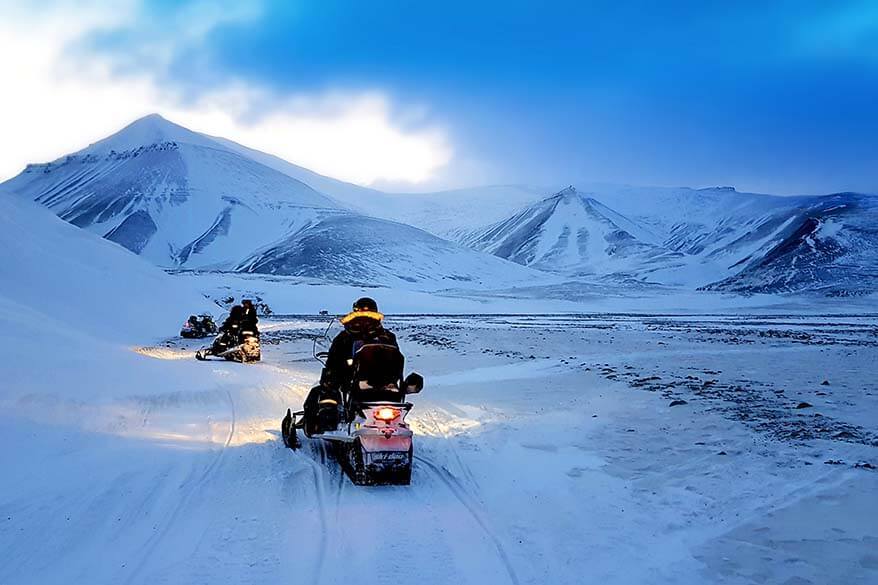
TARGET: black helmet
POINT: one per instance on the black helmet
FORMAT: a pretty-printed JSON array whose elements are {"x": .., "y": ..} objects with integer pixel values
[
  {"x": 366, "y": 304},
  {"x": 365, "y": 309}
]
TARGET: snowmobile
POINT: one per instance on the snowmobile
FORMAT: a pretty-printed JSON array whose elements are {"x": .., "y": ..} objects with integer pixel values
[
  {"x": 243, "y": 347},
  {"x": 364, "y": 424},
  {"x": 195, "y": 328}
]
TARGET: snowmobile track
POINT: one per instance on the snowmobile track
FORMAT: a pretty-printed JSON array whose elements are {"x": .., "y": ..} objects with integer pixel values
[
  {"x": 193, "y": 487},
  {"x": 460, "y": 493},
  {"x": 317, "y": 471}
]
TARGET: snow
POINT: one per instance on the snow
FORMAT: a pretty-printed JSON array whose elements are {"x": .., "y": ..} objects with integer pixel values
[
  {"x": 572, "y": 233},
  {"x": 527, "y": 470},
  {"x": 58, "y": 274},
  {"x": 547, "y": 449},
  {"x": 188, "y": 200},
  {"x": 151, "y": 129}
]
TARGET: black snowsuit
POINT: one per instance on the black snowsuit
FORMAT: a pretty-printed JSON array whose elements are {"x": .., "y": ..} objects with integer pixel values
[
  {"x": 249, "y": 319},
  {"x": 357, "y": 333},
  {"x": 348, "y": 341},
  {"x": 230, "y": 330}
]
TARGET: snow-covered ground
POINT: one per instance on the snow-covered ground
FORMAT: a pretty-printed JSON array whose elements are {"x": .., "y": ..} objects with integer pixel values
[
  {"x": 610, "y": 430},
  {"x": 546, "y": 452}
]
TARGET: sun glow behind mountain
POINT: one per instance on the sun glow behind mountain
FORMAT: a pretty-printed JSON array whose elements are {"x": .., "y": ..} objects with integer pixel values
[{"x": 70, "y": 94}]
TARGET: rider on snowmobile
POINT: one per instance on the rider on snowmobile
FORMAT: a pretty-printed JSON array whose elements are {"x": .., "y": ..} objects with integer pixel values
[
  {"x": 231, "y": 327},
  {"x": 362, "y": 326}
]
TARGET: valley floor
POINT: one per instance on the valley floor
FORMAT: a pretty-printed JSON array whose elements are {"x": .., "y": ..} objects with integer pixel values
[{"x": 547, "y": 451}]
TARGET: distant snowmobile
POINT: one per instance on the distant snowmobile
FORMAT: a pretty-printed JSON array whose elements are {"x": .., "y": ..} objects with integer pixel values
[
  {"x": 243, "y": 347},
  {"x": 197, "y": 328},
  {"x": 365, "y": 422}
]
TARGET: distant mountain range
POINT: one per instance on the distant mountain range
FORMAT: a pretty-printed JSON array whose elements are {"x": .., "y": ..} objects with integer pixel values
[
  {"x": 182, "y": 199},
  {"x": 186, "y": 200}
]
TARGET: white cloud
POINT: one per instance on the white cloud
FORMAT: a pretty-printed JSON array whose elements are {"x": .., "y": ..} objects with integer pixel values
[{"x": 56, "y": 101}]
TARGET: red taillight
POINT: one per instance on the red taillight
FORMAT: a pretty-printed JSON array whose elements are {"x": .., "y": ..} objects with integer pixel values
[{"x": 386, "y": 414}]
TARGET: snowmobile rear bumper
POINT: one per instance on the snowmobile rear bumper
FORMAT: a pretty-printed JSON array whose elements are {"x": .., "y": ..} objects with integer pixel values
[{"x": 374, "y": 446}]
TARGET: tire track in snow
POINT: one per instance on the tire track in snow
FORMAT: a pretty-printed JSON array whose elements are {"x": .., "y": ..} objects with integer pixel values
[
  {"x": 194, "y": 486},
  {"x": 317, "y": 470},
  {"x": 442, "y": 431},
  {"x": 459, "y": 492}
]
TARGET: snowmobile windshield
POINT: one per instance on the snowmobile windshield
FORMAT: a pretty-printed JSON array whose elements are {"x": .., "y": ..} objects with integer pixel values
[{"x": 323, "y": 339}]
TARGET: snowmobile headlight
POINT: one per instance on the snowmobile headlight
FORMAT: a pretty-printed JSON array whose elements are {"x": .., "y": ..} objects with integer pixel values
[{"x": 386, "y": 413}]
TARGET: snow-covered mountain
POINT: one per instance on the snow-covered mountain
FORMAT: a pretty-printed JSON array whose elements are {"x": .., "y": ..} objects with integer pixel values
[
  {"x": 829, "y": 245},
  {"x": 715, "y": 239},
  {"x": 443, "y": 213},
  {"x": 175, "y": 197},
  {"x": 186, "y": 200},
  {"x": 573, "y": 233},
  {"x": 355, "y": 249}
]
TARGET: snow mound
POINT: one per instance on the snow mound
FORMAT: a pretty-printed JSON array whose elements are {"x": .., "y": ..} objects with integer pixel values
[{"x": 61, "y": 275}]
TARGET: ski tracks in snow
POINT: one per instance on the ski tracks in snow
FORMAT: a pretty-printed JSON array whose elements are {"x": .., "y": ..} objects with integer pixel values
[{"x": 194, "y": 484}]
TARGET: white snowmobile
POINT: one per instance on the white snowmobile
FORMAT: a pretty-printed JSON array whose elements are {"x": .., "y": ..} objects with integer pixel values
[{"x": 364, "y": 424}]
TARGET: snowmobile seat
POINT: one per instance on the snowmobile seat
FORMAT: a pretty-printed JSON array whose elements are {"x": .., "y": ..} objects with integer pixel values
[{"x": 378, "y": 370}]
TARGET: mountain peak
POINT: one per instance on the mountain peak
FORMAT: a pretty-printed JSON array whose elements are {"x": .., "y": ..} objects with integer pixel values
[
  {"x": 570, "y": 193},
  {"x": 148, "y": 130},
  {"x": 154, "y": 117}
]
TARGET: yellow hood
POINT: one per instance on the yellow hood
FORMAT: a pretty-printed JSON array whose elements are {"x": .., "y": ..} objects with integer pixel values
[{"x": 355, "y": 314}]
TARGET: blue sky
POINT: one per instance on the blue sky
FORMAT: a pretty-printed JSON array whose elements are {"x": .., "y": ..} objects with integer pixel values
[{"x": 768, "y": 96}]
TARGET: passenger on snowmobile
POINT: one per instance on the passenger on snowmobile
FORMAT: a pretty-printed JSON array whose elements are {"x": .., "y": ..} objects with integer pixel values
[
  {"x": 364, "y": 352},
  {"x": 249, "y": 318}
]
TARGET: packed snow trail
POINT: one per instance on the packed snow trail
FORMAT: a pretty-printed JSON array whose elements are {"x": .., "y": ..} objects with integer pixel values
[{"x": 551, "y": 469}]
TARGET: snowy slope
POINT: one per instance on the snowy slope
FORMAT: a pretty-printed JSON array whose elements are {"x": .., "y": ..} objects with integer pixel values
[
  {"x": 355, "y": 197},
  {"x": 830, "y": 246},
  {"x": 58, "y": 274},
  {"x": 573, "y": 233},
  {"x": 451, "y": 213},
  {"x": 176, "y": 197},
  {"x": 443, "y": 213},
  {"x": 714, "y": 239},
  {"x": 355, "y": 249},
  {"x": 187, "y": 200}
]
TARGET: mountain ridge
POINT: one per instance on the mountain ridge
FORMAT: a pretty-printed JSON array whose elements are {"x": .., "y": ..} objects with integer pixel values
[{"x": 188, "y": 200}]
